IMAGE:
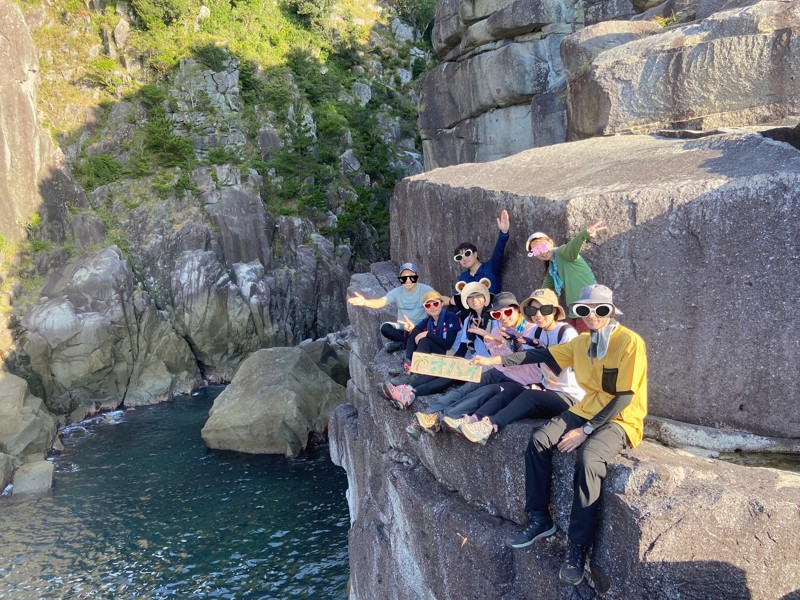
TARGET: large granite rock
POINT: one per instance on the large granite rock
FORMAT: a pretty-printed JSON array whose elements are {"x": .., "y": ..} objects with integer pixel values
[
  {"x": 693, "y": 225},
  {"x": 276, "y": 400},
  {"x": 33, "y": 478},
  {"x": 499, "y": 56},
  {"x": 93, "y": 339},
  {"x": 429, "y": 516},
  {"x": 733, "y": 68},
  {"x": 27, "y": 429}
]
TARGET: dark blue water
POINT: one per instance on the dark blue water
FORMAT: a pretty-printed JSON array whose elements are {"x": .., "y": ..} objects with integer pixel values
[{"x": 140, "y": 508}]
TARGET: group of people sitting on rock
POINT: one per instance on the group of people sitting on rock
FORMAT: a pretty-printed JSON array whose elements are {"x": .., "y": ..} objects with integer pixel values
[{"x": 585, "y": 372}]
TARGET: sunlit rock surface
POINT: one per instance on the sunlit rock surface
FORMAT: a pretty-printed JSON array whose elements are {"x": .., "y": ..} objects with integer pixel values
[{"x": 731, "y": 69}]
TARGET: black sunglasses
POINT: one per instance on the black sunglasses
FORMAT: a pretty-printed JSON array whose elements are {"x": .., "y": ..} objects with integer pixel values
[
  {"x": 546, "y": 310},
  {"x": 466, "y": 254},
  {"x": 412, "y": 278}
]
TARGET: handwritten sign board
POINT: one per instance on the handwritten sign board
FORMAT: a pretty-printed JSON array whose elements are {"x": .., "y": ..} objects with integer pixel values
[{"x": 440, "y": 365}]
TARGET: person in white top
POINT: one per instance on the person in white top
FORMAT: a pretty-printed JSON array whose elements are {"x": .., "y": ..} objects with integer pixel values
[{"x": 558, "y": 389}]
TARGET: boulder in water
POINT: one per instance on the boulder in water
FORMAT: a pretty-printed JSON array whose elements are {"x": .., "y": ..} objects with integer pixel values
[
  {"x": 276, "y": 399},
  {"x": 33, "y": 477}
]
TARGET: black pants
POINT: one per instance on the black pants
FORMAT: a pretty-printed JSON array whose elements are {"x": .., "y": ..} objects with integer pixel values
[
  {"x": 425, "y": 385},
  {"x": 425, "y": 345},
  {"x": 515, "y": 403},
  {"x": 394, "y": 334},
  {"x": 591, "y": 464}
]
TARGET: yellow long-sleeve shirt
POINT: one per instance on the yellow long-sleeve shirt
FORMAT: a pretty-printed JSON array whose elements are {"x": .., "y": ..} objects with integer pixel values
[{"x": 623, "y": 369}]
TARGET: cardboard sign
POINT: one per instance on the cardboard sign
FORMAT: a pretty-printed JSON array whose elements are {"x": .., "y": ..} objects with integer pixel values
[{"x": 441, "y": 365}]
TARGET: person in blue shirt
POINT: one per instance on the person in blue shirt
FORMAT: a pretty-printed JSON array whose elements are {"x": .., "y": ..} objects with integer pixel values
[{"x": 466, "y": 255}]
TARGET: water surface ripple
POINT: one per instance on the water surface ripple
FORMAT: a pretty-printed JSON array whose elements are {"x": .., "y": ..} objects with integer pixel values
[{"x": 141, "y": 509}]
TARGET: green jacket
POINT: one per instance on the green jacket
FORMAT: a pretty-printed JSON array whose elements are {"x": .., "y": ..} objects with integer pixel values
[{"x": 573, "y": 270}]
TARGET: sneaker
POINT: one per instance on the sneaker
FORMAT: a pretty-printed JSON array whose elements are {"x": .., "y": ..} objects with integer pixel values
[
  {"x": 538, "y": 527},
  {"x": 477, "y": 432},
  {"x": 429, "y": 423},
  {"x": 574, "y": 566},
  {"x": 454, "y": 424},
  {"x": 400, "y": 396},
  {"x": 393, "y": 346}
]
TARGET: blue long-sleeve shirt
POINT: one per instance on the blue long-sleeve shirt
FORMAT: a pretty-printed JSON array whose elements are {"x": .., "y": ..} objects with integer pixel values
[{"x": 491, "y": 268}]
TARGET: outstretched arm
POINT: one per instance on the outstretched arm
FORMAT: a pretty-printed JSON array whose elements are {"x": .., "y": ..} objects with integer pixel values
[{"x": 359, "y": 300}]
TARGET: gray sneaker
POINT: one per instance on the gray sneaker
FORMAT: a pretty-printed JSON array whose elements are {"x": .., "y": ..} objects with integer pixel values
[{"x": 538, "y": 527}]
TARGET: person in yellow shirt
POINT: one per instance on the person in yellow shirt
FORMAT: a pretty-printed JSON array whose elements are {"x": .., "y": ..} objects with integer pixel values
[{"x": 610, "y": 364}]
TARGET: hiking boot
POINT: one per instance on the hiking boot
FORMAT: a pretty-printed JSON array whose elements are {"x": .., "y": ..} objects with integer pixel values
[
  {"x": 454, "y": 424},
  {"x": 393, "y": 346},
  {"x": 574, "y": 566},
  {"x": 479, "y": 431},
  {"x": 538, "y": 527},
  {"x": 400, "y": 396},
  {"x": 429, "y": 423}
]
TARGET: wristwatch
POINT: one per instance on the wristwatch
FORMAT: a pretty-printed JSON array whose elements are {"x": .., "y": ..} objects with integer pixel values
[{"x": 588, "y": 429}]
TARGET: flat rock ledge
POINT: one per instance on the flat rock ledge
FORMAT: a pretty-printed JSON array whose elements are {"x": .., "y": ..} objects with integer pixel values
[{"x": 429, "y": 516}]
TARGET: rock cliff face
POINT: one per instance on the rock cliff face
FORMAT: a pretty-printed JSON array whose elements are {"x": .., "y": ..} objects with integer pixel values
[
  {"x": 732, "y": 68},
  {"x": 501, "y": 87},
  {"x": 508, "y": 83},
  {"x": 185, "y": 274},
  {"x": 429, "y": 516}
]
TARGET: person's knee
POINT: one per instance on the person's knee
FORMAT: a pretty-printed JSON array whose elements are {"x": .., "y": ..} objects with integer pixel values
[
  {"x": 589, "y": 462},
  {"x": 538, "y": 441}
]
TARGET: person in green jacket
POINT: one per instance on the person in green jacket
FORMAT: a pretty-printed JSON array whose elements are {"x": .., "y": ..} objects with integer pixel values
[{"x": 566, "y": 270}]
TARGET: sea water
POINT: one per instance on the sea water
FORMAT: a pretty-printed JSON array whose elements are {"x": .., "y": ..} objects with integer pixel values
[{"x": 140, "y": 508}]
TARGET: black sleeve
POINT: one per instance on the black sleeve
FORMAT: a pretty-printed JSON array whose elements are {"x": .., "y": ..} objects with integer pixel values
[
  {"x": 612, "y": 409},
  {"x": 417, "y": 330},
  {"x": 533, "y": 356},
  {"x": 462, "y": 350}
]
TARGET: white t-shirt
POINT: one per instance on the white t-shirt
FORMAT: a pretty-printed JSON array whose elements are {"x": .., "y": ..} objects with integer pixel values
[
  {"x": 409, "y": 304},
  {"x": 566, "y": 381}
]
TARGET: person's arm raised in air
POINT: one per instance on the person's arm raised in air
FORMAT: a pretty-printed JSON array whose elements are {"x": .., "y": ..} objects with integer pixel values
[
  {"x": 572, "y": 248},
  {"x": 496, "y": 262}
]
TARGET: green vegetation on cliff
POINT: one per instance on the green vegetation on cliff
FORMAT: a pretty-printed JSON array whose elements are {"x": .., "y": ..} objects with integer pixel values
[{"x": 297, "y": 63}]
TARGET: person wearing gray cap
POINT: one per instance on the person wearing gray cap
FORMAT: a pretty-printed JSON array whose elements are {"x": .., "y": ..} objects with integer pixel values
[
  {"x": 407, "y": 297},
  {"x": 611, "y": 366}
]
